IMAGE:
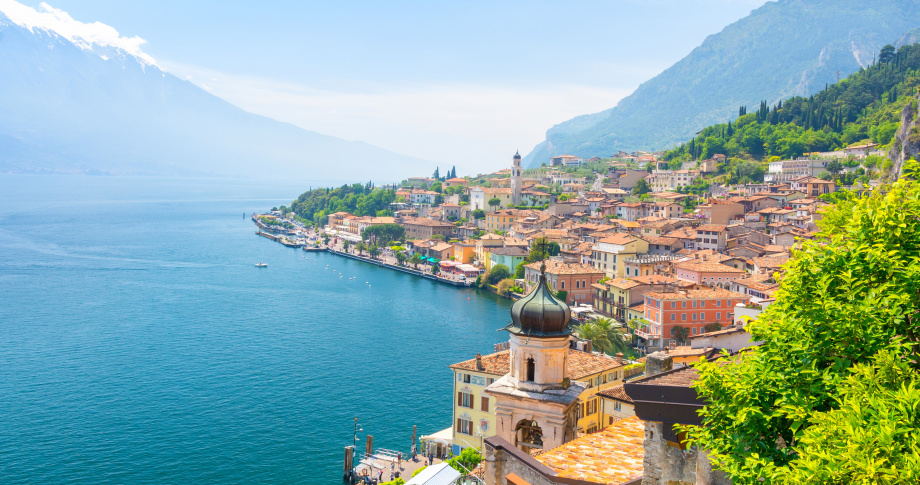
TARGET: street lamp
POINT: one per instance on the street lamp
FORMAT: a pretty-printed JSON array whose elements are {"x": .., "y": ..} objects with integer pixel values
[{"x": 354, "y": 445}]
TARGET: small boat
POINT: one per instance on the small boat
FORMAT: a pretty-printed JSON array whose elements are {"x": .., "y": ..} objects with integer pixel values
[{"x": 261, "y": 265}]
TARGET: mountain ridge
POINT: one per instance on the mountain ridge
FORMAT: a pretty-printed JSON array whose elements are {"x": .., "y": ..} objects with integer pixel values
[
  {"x": 69, "y": 108},
  {"x": 728, "y": 70}
]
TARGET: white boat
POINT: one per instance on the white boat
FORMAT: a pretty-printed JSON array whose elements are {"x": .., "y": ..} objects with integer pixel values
[{"x": 261, "y": 265}]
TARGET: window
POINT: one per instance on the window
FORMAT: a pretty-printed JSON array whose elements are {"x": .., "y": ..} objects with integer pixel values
[
  {"x": 703, "y": 303},
  {"x": 464, "y": 426},
  {"x": 591, "y": 407},
  {"x": 489, "y": 381},
  {"x": 484, "y": 403},
  {"x": 718, "y": 315},
  {"x": 673, "y": 305},
  {"x": 616, "y": 407},
  {"x": 718, "y": 302},
  {"x": 694, "y": 316},
  {"x": 683, "y": 317},
  {"x": 465, "y": 399},
  {"x": 694, "y": 303},
  {"x": 683, "y": 304},
  {"x": 673, "y": 317},
  {"x": 563, "y": 284},
  {"x": 531, "y": 369}
]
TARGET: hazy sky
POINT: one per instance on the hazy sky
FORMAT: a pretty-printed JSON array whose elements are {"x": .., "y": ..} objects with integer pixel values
[{"x": 461, "y": 83}]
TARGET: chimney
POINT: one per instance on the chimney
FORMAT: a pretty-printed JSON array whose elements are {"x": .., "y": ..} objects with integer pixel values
[
  {"x": 620, "y": 356},
  {"x": 658, "y": 362},
  {"x": 589, "y": 345},
  {"x": 479, "y": 362}
]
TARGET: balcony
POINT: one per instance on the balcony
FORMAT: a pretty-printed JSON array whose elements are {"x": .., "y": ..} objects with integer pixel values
[{"x": 647, "y": 333}]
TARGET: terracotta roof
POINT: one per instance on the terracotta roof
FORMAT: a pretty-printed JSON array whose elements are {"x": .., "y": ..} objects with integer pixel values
[
  {"x": 510, "y": 251},
  {"x": 581, "y": 364},
  {"x": 612, "y": 455},
  {"x": 618, "y": 238},
  {"x": 714, "y": 292},
  {"x": 681, "y": 378},
  {"x": 770, "y": 261},
  {"x": 558, "y": 267},
  {"x": 707, "y": 267},
  {"x": 660, "y": 240},
  {"x": 617, "y": 393},
  {"x": 657, "y": 280},
  {"x": 711, "y": 227},
  {"x": 623, "y": 283}
]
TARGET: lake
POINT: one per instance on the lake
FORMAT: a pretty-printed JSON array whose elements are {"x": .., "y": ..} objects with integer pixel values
[{"x": 139, "y": 344}]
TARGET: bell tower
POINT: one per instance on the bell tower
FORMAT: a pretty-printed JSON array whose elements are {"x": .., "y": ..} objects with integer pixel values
[
  {"x": 516, "y": 173},
  {"x": 535, "y": 403}
]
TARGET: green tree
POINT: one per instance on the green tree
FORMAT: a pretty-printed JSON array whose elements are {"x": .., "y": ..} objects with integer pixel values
[
  {"x": 832, "y": 395},
  {"x": 374, "y": 251},
  {"x": 495, "y": 202},
  {"x": 519, "y": 270},
  {"x": 498, "y": 272},
  {"x": 712, "y": 327},
  {"x": 361, "y": 247},
  {"x": 383, "y": 234},
  {"x": 345, "y": 245},
  {"x": 599, "y": 336},
  {"x": 641, "y": 187},
  {"x": 415, "y": 260},
  {"x": 466, "y": 461},
  {"x": 478, "y": 214},
  {"x": 400, "y": 258},
  {"x": 886, "y": 55},
  {"x": 834, "y": 167},
  {"x": 680, "y": 334}
]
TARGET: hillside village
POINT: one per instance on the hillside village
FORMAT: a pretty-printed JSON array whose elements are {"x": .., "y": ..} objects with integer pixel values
[{"x": 673, "y": 272}]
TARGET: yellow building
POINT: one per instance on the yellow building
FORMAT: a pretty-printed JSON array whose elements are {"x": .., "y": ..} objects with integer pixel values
[
  {"x": 463, "y": 251},
  {"x": 474, "y": 413}
]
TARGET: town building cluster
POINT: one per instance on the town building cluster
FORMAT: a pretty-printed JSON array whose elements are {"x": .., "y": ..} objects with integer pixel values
[{"x": 680, "y": 273}]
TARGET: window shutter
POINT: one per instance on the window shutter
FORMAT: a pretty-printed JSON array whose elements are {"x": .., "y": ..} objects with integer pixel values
[
  {"x": 459, "y": 424},
  {"x": 485, "y": 404},
  {"x": 459, "y": 399}
]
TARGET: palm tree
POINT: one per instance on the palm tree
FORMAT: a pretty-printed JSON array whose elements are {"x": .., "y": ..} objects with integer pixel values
[
  {"x": 400, "y": 257},
  {"x": 345, "y": 245},
  {"x": 361, "y": 247},
  {"x": 374, "y": 251},
  {"x": 598, "y": 336},
  {"x": 415, "y": 260}
]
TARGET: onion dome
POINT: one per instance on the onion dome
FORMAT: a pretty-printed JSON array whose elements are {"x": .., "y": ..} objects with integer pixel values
[
  {"x": 539, "y": 313},
  {"x": 517, "y": 155}
]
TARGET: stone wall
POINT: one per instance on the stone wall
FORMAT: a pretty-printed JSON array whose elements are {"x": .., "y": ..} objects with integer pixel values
[
  {"x": 499, "y": 463},
  {"x": 666, "y": 464}
]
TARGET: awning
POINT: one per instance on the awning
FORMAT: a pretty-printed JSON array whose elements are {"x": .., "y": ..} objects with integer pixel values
[
  {"x": 440, "y": 474},
  {"x": 445, "y": 436}
]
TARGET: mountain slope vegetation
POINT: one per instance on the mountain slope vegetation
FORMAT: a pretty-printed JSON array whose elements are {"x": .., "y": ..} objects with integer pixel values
[
  {"x": 782, "y": 49},
  {"x": 866, "y": 106}
]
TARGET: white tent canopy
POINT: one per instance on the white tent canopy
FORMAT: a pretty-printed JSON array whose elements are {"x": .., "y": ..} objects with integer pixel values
[{"x": 440, "y": 474}]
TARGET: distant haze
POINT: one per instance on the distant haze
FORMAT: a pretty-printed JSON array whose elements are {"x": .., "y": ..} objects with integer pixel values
[{"x": 456, "y": 84}]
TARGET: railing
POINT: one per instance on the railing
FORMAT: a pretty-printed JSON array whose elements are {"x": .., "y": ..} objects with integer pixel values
[{"x": 646, "y": 334}]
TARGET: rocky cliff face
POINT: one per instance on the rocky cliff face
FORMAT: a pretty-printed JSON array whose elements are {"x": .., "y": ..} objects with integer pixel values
[{"x": 906, "y": 143}]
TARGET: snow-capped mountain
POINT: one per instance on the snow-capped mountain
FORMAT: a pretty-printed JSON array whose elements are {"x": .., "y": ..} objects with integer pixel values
[{"x": 83, "y": 99}]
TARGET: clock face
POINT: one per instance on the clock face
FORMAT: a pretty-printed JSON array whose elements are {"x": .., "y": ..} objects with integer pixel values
[{"x": 484, "y": 424}]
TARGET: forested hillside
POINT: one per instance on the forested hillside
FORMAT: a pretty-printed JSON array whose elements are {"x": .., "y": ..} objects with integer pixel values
[
  {"x": 357, "y": 199},
  {"x": 865, "y": 106},
  {"x": 784, "y": 48}
]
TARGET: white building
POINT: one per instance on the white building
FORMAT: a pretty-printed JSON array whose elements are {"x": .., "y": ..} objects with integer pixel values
[{"x": 785, "y": 171}]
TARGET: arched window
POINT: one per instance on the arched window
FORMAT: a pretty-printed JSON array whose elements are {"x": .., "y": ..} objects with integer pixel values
[
  {"x": 528, "y": 435},
  {"x": 531, "y": 369}
]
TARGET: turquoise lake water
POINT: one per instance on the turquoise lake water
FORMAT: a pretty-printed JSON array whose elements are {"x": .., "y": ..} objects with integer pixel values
[{"x": 139, "y": 344}]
